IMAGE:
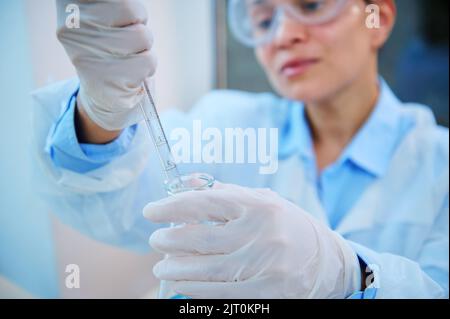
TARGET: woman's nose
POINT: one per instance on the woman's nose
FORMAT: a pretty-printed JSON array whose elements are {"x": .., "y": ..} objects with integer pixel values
[{"x": 289, "y": 32}]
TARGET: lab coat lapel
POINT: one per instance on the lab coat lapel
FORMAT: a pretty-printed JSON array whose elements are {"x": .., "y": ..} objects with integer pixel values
[
  {"x": 362, "y": 215},
  {"x": 291, "y": 182},
  {"x": 405, "y": 174}
]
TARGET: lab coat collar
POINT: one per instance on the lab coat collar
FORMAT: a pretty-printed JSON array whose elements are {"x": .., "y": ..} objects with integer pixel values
[
  {"x": 295, "y": 136},
  {"x": 372, "y": 147}
]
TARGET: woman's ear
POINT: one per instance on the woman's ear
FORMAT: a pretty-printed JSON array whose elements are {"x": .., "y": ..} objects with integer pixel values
[{"x": 384, "y": 12}]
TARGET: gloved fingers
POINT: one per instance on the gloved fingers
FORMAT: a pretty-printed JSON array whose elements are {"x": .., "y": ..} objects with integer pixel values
[
  {"x": 200, "y": 239},
  {"x": 108, "y": 42},
  {"x": 217, "y": 205},
  {"x": 108, "y": 13},
  {"x": 123, "y": 12},
  {"x": 222, "y": 290},
  {"x": 219, "y": 185},
  {"x": 263, "y": 191},
  {"x": 204, "y": 268},
  {"x": 128, "y": 40},
  {"x": 127, "y": 88},
  {"x": 143, "y": 65}
]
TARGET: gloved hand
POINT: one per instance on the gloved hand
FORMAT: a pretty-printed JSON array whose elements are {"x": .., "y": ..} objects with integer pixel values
[
  {"x": 111, "y": 52},
  {"x": 258, "y": 246}
]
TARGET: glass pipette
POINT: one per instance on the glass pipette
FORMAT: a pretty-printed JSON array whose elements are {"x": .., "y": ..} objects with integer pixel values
[
  {"x": 159, "y": 139},
  {"x": 175, "y": 183}
]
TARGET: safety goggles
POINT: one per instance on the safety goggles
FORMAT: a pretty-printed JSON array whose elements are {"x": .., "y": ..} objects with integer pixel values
[{"x": 255, "y": 22}]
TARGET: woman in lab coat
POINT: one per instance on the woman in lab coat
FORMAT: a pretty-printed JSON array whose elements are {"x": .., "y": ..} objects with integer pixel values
[{"x": 355, "y": 207}]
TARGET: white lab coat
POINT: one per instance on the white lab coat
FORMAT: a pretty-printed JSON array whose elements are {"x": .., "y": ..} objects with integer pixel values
[{"x": 399, "y": 226}]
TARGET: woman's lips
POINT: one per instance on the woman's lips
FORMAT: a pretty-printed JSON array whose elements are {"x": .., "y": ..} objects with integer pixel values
[{"x": 297, "y": 67}]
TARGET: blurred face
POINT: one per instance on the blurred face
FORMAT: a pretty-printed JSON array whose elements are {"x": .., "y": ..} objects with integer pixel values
[{"x": 313, "y": 62}]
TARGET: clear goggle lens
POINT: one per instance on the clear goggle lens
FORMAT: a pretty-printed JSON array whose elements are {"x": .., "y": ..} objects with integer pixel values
[{"x": 255, "y": 22}]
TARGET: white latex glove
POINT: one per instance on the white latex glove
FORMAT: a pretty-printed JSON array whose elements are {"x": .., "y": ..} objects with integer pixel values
[
  {"x": 111, "y": 52},
  {"x": 260, "y": 246}
]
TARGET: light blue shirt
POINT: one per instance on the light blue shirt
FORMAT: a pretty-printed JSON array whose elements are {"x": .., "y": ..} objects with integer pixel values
[
  {"x": 339, "y": 186},
  {"x": 68, "y": 153}
]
